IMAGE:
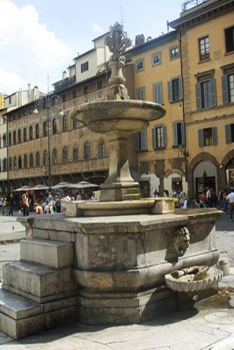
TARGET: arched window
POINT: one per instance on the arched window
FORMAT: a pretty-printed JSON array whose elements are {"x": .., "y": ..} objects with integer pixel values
[
  {"x": 14, "y": 138},
  {"x": 37, "y": 159},
  {"x": 25, "y": 134},
  {"x": 45, "y": 157},
  {"x": 37, "y": 131},
  {"x": 31, "y": 160},
  {"x": 30, "y": 133},
  {"x": 75, "y": 154},
  {"x": 54, "y": 156},
  {"x": 65, "y": 154},
  {"x": 9, "y": 139},
  {"x": 64, "y": 123},
  {"x": 101, "y": 149},
  {"x": 14, "y": 163},
  {"x": 75, "y": 124},
  {"x": 19, "y": 136},
  {"x": 25, "y": 161},
  {"x": 45, "y": 129},
  {"x": 10, "y": 163},
  {"x": 54, "y": 126},
  {"x": 19, "y": 162},
  {"x": 86, "y": 150}
]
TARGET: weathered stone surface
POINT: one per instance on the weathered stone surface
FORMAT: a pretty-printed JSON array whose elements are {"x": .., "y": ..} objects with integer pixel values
[{"x": 50, "y": 253}]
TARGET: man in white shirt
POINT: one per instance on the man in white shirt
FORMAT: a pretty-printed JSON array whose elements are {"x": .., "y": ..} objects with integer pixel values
[{"x": 230, "y": 200}]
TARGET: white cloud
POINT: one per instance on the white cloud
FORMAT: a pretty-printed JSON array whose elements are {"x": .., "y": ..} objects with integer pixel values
[
  {"x": 97, "y": 28},
  {"x": 29, "y": 51}
]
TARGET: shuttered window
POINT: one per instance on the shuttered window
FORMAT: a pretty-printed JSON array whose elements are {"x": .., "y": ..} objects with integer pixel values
[
  {"x": 175, "y": 90},
  {"x": 228, "y": 88},
  {"x": 158, "y": 93},
  {"x": 208, "y": 137},
  {"x": 178, "y": 133},
  {"x": 140, "y": 141},
  {"x": 140, "y": 94},
  {"x": 206, "y": 94},
  {"x": 229, "y": 133},
  {"x": 159, "y": 137}
]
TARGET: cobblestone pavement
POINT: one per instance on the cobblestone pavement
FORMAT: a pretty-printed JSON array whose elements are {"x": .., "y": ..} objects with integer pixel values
[{"x": 208, "y": 327}]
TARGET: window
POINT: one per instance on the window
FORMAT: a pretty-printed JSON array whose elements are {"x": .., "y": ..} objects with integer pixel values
[
  {"x": 37, "y": 131},
  {"x": 64, "y": 123},
  {"x": 19, "y": 136},
  {"x": 25, "y": 134},
  {"x": 14, "y": 138},
  {"x": 75, "y": 154},
  {"x": 229, "y": 39},
  {"x": 84, "y": 66},
  {"x": 54, "y": 156},
  {"x": 45, "y": 158},
  {"x": 4, "y": 140},
  {"x": 140, "y": 94},
  {"x": 30, "y": 133},
  {"x": 54, "y": 126},
  {"x": 174, "y": 52},
  {"x": 15, "y": 163},
  {"x": 208, "y": 137},
  {"x": 158, "y": 93},
  {"x": 206, "y": 94},
  {"x": 75, "y": 124},
  {"x": 99, "y": 84},
  {"x": 101, "y": 149},
  {"x": 178, "y": 133},
  {"x": 65, "y": 154},
  {"x": 159, "y": 137},
  {"x": 175, "y": 90},
  {"x": 45, "y": 129},
  {"x": 139, "y": 65},
  {"x": 9, "y": 141},
  {"x": 25, "y": 161},
  {"x": 228, "y": 88},
  {"x": 156, "y": 59},
  {"x": 140, "y": 141},
  {"x": 204, "y": 48},
  {"x": 37, "y": 159},
  {"x": 86, "y": 150},
  {"x": 19, "y": 162},
  {"x": 31, "y": 160},
  {"x": 229, "y": 133}
]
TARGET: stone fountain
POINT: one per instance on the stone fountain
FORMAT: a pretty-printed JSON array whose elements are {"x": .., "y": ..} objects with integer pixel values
[{"x": 104, "y": 262}]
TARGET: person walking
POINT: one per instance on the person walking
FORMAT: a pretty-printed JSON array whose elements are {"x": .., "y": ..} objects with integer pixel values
[
  {"x": 4, "y": 204},
  {"x": 230, "y": 200},
  {"x": 11, "y": 204},
  {"x": 25, "y": 204}
]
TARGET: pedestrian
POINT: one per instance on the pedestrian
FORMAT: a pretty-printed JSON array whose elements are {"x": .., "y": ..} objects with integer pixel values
[
  {"x": 4, "y": 204},
  {"x": 209, "y": 197},
  {"x": 11, "y": 204},
  {"x": 25, "y": 204},
  {"x": 230, "y": 200}
]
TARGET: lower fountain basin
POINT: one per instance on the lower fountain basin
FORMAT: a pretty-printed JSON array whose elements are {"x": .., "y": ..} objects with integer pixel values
[{"x": 193, "y": 279}]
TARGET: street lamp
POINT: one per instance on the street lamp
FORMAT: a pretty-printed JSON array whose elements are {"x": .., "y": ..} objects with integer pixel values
[{"x": 48, "y": 100}]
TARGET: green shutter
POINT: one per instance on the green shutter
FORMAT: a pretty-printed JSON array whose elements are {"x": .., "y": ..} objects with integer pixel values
[
  {"x": 180, "y": 88},
  {"x": 215, "y": 136},
  {"x": 198, "y": 95},
  {"x": 143, "y": 136},
  {"x": 228, "y": 133},
  {"x": 169, "y": 88},
  {"x": 182, "y": 132},
  {"x": 154, "y": 143},
  {"x": 175, "y": 134},
  {"x": 213, "y": 92},
  {"x": 157, "y": 93},
  {"x": 225, "y": 89},
  {"x": 164, "y": 136},
  {"x": 136, "y": 142},
  {"x": 201, "y": 138}
]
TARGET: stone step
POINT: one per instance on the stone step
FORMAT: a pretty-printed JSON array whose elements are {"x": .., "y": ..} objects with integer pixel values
[
  {"x": 20, "y": 317},
  {"x": 37, "y": 282},
  {"x": 55, "y": 254}
]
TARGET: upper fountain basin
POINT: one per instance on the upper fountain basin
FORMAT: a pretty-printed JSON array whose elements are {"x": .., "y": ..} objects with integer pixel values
[{"x": 110, "y": 115}]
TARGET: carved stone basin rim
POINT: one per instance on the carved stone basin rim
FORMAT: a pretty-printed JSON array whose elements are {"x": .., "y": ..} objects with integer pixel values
[{"x": 202, "y": 278}]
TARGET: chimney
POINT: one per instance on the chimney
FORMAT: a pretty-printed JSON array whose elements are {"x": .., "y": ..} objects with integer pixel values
[
  {"x": 139, "y": 40},
  {"x": 64, "y": 75}
]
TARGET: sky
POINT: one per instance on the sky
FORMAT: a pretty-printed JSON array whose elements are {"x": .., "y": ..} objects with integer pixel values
[{"x": 40, "y": 38}]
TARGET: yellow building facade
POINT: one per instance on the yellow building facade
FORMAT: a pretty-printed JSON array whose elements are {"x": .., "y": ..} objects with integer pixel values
[{"x": 207, "y": 42}]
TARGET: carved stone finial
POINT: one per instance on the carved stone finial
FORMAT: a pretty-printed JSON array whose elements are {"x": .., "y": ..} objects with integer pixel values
[
  {"x": 117, "y": 41},
  {"x": 181, "y": 240}
]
